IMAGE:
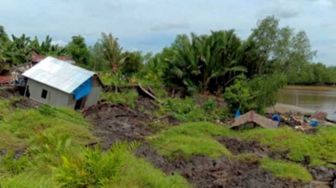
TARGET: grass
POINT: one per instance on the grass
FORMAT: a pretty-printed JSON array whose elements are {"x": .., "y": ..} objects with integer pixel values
[
  {"x": 4, "y": 108},
  {"x": 51, "y": 143},
  {"x": 320, "y": 148},
  {"x": 197, "y": 138},
  {"x": 35, "y": 140},
  {"x": 190, "y": 139},
  {"x": 286, "y": 170},
  {"x": 115, "y": 168},
  {"x": 45, "y": 147},
  {"x": 21, "y": 128},
  {"x": 128, "y": 98}
]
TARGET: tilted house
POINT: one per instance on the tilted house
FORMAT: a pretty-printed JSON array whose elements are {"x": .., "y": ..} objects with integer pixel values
[{"x": 59, "y": 83}]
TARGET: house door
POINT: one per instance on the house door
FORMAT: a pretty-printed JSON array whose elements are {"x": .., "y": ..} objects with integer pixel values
[{"x": 80, "y": 103}]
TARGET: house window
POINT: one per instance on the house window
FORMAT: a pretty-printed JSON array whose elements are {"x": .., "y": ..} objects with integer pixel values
[{"x": 44, "y": 93}]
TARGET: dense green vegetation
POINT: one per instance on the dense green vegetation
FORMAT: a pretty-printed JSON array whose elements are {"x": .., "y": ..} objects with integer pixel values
[
  {"x": 196, "y": 63},
  {"x": 128, "y": 98},
  {"x": 207, "y": 64}
]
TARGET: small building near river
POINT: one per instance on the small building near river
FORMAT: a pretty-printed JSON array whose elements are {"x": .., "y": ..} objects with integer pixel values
[{"x": 62, "y": 84}]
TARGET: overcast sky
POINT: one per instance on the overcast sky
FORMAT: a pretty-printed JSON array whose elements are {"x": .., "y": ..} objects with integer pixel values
[{"x": 150, "y": 25}]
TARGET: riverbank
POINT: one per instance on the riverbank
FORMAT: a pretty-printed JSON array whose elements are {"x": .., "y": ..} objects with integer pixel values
[
  {"x": 287, "y": 108},
  {"x": 312, "y": 87}
]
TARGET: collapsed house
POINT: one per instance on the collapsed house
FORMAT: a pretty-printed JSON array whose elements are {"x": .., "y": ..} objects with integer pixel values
[
  {"x": 60, "y": 83},
  {"x": 253, "y": 117}
]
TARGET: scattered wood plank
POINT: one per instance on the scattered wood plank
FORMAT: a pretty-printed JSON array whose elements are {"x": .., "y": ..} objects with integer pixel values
[
  {"x": 253, "y": 117},
  {"x": 147, "y": 93}
]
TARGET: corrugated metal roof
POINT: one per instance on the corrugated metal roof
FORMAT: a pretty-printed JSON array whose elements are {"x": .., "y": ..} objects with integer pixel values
[{"x": 58, "y": 74}]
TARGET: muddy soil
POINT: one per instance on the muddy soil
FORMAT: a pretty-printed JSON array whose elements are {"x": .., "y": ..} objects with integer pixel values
[
  {"x": 237, "y": 146},
  {"x": 206, "y": 172},
  {"x": 116, "y": 122}
]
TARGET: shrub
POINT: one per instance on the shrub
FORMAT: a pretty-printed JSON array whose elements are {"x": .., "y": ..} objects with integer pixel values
[
  {"x": 239, "y": 96},
  {"x": 127, "y": 98},
  {"x": 255, "y": 94},
  {"x": 116, "y": 168},
  {"x": 186, "y": 110}
]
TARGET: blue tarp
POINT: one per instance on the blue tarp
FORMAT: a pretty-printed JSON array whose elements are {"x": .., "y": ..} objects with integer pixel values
[
  {"x": 237, "y": 115},
  {"x": 83, "y": 90}
]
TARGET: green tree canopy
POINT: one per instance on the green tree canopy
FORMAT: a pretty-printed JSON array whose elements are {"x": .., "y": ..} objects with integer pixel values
[{"x": 78, "y": 50}]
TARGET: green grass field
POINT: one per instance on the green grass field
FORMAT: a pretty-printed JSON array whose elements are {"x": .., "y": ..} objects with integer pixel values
[{"x": 45, "y": 147}]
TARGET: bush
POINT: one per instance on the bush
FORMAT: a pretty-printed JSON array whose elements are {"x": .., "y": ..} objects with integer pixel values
[
  {"x": 183, "y": 109},
  {"x": 127, "y": 98},
  {"x": 239, "y": 97},
  {"x": 116, "y": 168},
  {"x": 186, "y": 110},
  {"x": 255, "y": 94}
]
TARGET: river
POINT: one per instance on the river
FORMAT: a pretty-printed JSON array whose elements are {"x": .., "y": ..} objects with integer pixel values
[{"x": 318, "y": 98}]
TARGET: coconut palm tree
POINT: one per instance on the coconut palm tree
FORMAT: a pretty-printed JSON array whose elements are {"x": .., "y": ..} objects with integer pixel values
[{"x": 205, "y": 63}]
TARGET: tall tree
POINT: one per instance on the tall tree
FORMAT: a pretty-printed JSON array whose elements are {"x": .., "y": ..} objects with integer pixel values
[
  {"x": 282, "y": 48},
  {"x": 133, "y": 63},
  {"x": 3, "y": 35},
  {"x": 111, "y": 51},
  {"x": 78, "y": 50},
  {"x": 205, "y": 63}
]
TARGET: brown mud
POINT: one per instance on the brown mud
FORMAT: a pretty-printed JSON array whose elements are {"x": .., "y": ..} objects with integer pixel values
[
  {"x": 236, "y": 146},
  {"x": 205, "y": 172},
  {"x": 117, "y": 122}
]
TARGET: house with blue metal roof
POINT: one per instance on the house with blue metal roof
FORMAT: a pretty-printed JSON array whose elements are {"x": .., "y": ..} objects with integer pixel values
[{"x": 59, "y": 83}]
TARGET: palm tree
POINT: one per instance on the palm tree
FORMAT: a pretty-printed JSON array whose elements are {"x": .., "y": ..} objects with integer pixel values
[
  {"x": 204, "y": 62},
  {"x": 111, "y": 51}
]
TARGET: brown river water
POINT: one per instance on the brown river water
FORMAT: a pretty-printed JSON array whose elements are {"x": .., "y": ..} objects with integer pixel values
[{"x": 318, "y": 98}]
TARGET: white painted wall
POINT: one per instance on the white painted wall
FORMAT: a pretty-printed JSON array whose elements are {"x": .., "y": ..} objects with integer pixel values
[
  {"x": 55, "y": 97},
  {"x": 59, "y": 98}
]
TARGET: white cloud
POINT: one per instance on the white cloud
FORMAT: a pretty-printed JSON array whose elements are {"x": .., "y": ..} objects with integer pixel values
[
  {"x": 59, "y": 42},
  {"x": 151, "y": 25}
]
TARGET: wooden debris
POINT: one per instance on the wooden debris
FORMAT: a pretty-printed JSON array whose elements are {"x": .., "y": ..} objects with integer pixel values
[
  {"x": 146, "y": 93},
  {"x": 253, "y": 117}
]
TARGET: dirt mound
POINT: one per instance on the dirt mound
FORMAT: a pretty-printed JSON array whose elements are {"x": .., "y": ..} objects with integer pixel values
[
  {"x": 324, "y": 174},
  {"x": 237, "y": 146},
  {"x": 206, "y": 172},
  {"x": 144, "y": 104},
  {"x": 115, "y": 122},
  {"x": 155, "y": 158}
]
